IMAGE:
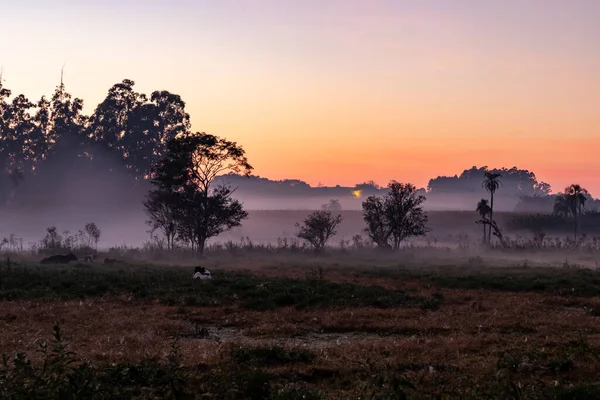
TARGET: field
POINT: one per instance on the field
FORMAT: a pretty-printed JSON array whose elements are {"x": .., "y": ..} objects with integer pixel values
[{"x": 418, "y": 324}]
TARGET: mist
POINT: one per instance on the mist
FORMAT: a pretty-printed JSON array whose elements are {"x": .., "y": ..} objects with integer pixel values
[{"x": 60, "y": 168}]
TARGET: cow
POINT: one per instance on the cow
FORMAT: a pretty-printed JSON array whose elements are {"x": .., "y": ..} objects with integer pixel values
[
  {"x": 89, "y": 258},
  {"x": 202, "y": 273},
  {"x": 59, "y": 259}
]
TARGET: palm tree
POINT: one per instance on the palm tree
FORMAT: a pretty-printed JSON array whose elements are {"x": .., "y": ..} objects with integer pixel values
[
  {"x": 575, "y": 197},
  {"x": 491, "y": 183},
  {"x": 483, "y": 208}
]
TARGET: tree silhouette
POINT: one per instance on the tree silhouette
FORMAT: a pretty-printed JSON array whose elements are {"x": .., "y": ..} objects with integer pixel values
[
  {"x": 160, "y": 206},
  {"x": 573, "y": 199},
  {"x": 517, "y": 182},
  {"x": 491, "y": 183},
  {"x": 333, "y": 205},
  {"x": 318, "y": 228},
  {"x": 136, "y": 127},
  {"x": 93, "y": 233},
  {"x": 561, "y": 206},
  {"x": 186, "y": 173},
  {"x": 484, "y": 209},
  {"x": 395, "y": 217},
  {"x": 67, "y": 123}
]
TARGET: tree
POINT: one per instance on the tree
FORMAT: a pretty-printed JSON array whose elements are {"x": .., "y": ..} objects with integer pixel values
[
  {"x": 395, "y": 217},
  {"x": 17, "y": 140},
  {"x": 203, "y": 217},
  {"x": 491, "y": 183},
  {"x": 484, "y": 209},
  {"x": 517, "y": 182},
  {"x": 160, "y": 206},
  {"x": 333, "y": 205},
  {"x": 186, "y": 173},
  {"x": 93, "y": 233},
  {"x": 573, "y": 199},
  {"x": 318, "y": 228},
  {"x": 136, "y": 127},
  {"x": 561, "y": 206}
]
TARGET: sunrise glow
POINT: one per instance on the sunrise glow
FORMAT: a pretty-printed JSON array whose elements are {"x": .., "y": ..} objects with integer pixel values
[{"x": 336, "y": 91}]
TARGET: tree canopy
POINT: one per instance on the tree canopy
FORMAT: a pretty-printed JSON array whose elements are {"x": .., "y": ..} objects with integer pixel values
[
  {"x": 395, "y": 217},
  {"x": 186, "y": 204},
  {"x": 516, "y": 182},
  {"x": 40, "y": 139}
]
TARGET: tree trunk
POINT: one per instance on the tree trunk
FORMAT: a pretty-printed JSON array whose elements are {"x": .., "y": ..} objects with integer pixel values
[
  {"x": 575, "y": 224},
  {"x": 200, "y": 246},
  {"x": 491, "y": 218},
  {"x": 484, "y": 233}
]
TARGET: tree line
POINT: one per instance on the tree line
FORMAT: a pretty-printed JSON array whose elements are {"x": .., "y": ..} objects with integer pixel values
[
  {"x": 151, "y": 139},
  {"x": 568, "y": 205},
  {"x": 128, "y": 127},
  {"x": 132, "y": 129}
]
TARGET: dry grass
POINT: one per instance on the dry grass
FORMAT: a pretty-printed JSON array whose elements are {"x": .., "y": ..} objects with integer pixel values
[{"x": 449, "y": 349}]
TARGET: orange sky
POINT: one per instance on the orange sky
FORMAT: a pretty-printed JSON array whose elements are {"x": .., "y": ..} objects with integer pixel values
[{"x": 341, "y": 92}]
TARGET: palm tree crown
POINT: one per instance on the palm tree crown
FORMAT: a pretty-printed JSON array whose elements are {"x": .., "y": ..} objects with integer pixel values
[
  {"x": 483, "y": 208},
  {"x": 491, "y": 182},
  {"x": 576, "y": 197}
]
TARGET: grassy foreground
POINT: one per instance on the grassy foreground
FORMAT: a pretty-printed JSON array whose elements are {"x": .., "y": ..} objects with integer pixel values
[{"x": 299, "y": 332}]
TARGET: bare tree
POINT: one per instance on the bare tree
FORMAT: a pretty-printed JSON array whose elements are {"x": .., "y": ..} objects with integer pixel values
[
  {"x": 318, "y": 228},
  {"x": 159, "y": 206},
  {"x": 93, "y": 233}
]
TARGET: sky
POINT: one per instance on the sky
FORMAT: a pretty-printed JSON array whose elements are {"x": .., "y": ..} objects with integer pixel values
[{"x": 340, "y": 91}]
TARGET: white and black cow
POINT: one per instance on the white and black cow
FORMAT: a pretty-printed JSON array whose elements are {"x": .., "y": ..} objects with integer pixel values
[{"x": 202, "y": 273}]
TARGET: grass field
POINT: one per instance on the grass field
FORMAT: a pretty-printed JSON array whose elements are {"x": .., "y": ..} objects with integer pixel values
[{"x": 302, "y": 327}]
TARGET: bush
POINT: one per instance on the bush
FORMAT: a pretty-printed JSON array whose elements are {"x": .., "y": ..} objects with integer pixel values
[{"x": 318, "y": 228}]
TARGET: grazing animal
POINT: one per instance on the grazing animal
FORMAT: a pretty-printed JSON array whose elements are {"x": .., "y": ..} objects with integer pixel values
[
  {"x": 89, "y": 258},
  {"x": 59, "y": 259},
  {"x": 202, "y": 273},
  {"x": 110, "y": 261}
]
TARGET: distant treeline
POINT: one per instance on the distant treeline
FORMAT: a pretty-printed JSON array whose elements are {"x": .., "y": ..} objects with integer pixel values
[{"x": 51, "y": 153}]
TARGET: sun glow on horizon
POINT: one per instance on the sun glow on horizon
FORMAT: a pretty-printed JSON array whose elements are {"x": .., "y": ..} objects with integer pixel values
[{"x": 341, "y": 91}]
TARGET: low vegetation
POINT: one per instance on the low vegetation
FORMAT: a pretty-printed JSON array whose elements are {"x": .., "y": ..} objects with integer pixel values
[{"x": 299, "y": 331}]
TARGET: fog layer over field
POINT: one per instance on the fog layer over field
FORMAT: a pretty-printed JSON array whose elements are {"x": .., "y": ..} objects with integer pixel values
[
  {"x": 63, "y": 196},
  {"x": 116, "y": 207}
]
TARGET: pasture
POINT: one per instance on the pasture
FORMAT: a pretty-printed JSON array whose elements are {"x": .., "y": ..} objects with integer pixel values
[{"x": 418, "y": 324}]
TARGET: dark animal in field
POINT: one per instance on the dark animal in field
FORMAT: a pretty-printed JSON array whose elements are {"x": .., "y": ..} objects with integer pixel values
[
  {"x": 110, "y": 261},
  {"x": 89, "y": 258},
  {"x": 202, "y": 273},
  {"x": 59, "y": 259}
]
